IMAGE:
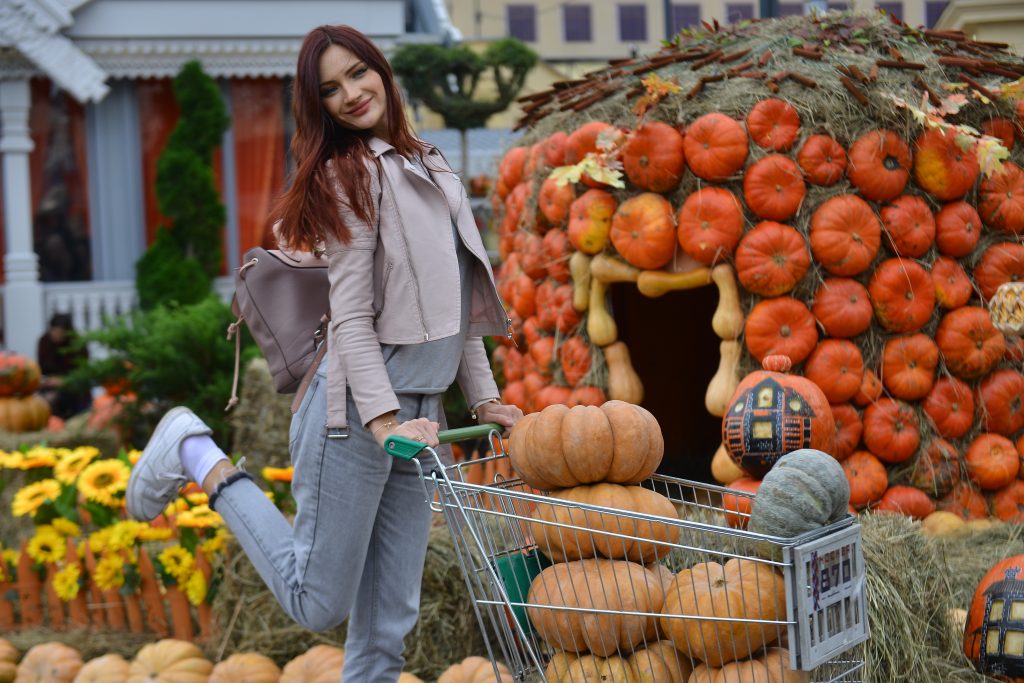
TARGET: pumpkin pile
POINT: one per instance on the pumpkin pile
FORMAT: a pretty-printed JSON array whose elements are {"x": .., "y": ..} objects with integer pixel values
[
  {"x": 21, "y": 409},
  {"x": 838, "y": 179}
]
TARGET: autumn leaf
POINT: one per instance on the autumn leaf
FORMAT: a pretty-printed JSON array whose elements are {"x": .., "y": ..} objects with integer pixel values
[
  {"x": 1013, "y": 90},
  {"x": 594, "y": 165},
  {"x": 655, "y": 90},
  {"x": 991, "y": 154}
]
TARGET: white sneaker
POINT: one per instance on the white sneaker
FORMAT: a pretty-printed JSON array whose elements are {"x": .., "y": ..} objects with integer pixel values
[{"x": 159, "y": 475}]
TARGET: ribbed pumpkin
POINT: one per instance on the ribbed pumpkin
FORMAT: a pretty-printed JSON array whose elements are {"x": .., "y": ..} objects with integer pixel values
[
  {"x": 771, "y": 667},
  {"x": 845, "y": 235},
  {"x": 616, "y": 537},
  {"x": 965, "y": 501},
  {"x": 615, "y": 586},
  {"x": 1008, "y": 502},
  {"x": 561, "y": 447},
  {"x": 23, "y": 413},
  {"x": 998, "y": 592},
  {"x": 716, "y": 146},
  {"x": 837, "y": 367},
  {"x": 475, "y": 670},
  {"x": 867, "y": 478},
  {"x": 849, "y": 429},
  {"x": 780, "y": 326},
  {"x": 710, "y": 224},
  {"x": 50, "y": 662},
  {"x": 771, "y": 259},
  {"x": 999, "y": 263},
  {"x": 643, "y": 230},
  {"x": 170, "y": 660},
  {"x": 590, "y": 220},
  {"x": 822, "y": 159},
  {"x": 957, "y": 229},
  {"x": 910, "y": 225},
  {"x": 943, "y": 167},
  {"x": 1001, "y": 199},
  {"x": 773, "y": 124},
  {"x": 583, "y": 141},
  {"x": 772, "y": 413},
  {"x": 1001, "y": 398},
  {"x": 970, "y": 344},
  {"x": 250, "y": 667},
  {"x": 953, "y": 288},
  {"x": 805, "y": 490},
  {"x": 109, "y": 668},
  {"x": 891, "y": 430},
  {"x": 992, "y": 461},
  {"x": 565, "y": 667},
  {"x": 906, "y": 500},
  {"x": 555, "y": 199},
  {"x": 902, "y": 294},
  {"x": 842, "y": 307},
  {"x": 741, "y": 589},
  {"x": 653, "y": 159},
  {"x": 937, "y": 468},
  {"x": 880, "y": 164},
  {"x": 318, "y": 664},
  {"x": 908, "y": 366},
  {"x": 774, "y": 188}
]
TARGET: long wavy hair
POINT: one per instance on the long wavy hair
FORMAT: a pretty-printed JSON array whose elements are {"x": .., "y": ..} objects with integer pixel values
[{"x": 328, "y": 156}]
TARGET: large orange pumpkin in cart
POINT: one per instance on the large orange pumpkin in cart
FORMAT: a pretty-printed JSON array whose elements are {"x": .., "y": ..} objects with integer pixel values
[
  {"x": 772, "y": 413},
  {"x": 994, "y": 634},
  {"x": 561, "y": 447}
]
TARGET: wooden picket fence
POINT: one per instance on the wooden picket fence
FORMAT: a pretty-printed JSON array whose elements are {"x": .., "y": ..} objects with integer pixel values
[{"x": 31, "y": 602}]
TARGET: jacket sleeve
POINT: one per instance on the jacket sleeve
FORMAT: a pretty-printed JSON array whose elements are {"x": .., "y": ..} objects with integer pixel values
[
  {"x": 475, "y": 376},
  {"x": 357, "y": 348}
]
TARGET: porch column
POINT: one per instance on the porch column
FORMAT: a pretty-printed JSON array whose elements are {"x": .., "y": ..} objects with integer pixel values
[{"x": 23, "y": 293}]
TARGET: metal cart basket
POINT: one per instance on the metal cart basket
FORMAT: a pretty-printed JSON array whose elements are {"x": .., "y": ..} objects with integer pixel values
[{"x": 504, "y": 533}]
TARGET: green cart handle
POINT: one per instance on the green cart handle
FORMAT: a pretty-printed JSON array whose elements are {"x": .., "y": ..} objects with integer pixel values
[{"x": 407, "y": 449}]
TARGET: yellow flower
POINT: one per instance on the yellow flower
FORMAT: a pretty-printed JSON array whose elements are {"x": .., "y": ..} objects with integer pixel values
[
  {"x": 98, "y": 540},
  {"x": 31, "y": 497},
  {"x": 123, "y": 534},
  {"x": 215, "y": 544},
  {"x": 11, "y": 556},
  {"x": 199, "y": 517},
  {"x": 151, "y": 533},
  {"x": 278, "y": 473},
  {"x": 197, "y": 498},
  {"x": 71, "y": 465},
  {"x": 47, "y": 545},
  {"x": 109, "y": 572},
  {"x": 195, "y": 588},
  {"x": 134, "y": 455},
  {"x": 65, "y": 527},
  {"x": 33, "y": 458},
  {"x": 65, "y": 582},
  {"x": 101, "y": 481},
  {"x": 177, "y": 562}
]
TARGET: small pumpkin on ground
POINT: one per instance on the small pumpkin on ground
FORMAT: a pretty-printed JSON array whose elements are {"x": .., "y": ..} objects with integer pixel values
[
  {"x": 805, "y": 490},
  {"x": 318, "y": 664},
  {"x": 109, "y": 668},
  {"x": 943, "y": 523},
  {"x": 475, "y": 670},
  {"x": 51, "y": 662},
  {"x": 168, "y": 660},
  {"x": 250, "y": 667}
]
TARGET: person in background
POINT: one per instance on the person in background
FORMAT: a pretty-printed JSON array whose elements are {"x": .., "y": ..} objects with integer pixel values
[
  {"x": 411, "y": 295},
  {"x": 57, "y": 356}
]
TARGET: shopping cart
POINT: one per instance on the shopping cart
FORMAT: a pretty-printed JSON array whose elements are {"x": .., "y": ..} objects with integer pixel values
[{"x": 500, "y": 528}]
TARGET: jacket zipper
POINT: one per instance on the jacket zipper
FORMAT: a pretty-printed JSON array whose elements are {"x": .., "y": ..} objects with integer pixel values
[
  {"x": 384, "y": 290},
  {"x": 412, "y": 271}
]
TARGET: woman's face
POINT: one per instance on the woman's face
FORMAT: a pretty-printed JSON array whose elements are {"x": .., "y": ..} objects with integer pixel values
[{"x": 352, "y": 92}]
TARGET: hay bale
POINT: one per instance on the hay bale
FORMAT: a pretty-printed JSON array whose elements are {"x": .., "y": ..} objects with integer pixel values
[
  {"x": 251, "y": 620},
  {"x": 261, "y": 420}
]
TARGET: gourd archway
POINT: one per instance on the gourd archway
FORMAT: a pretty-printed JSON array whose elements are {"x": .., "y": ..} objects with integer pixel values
[{"x": 848, "y": 189}]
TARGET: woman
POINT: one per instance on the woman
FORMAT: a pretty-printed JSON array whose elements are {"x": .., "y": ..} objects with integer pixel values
[{"x": 411, "y": 294}]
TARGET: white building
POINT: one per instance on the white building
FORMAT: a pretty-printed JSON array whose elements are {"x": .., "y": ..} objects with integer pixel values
[{"x": 86, "y": 106}]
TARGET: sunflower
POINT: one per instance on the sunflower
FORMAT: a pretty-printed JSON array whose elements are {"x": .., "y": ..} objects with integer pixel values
[
  {"x": 278, "y": 473},
  {"x": 197, "y": 498},
  {"x": 109, "y": 572},
  {"x": 101, "y": 481},
  {"x": 98, "y": 540},
  {"x": 199, "y": 517},
  {"x": 65, "y": 527},
  {"x": 65, "y": 582},
  {"x": 33, "y": 458},
  {"x": 177, "y": 562},
  {"x": 195, "y": 588},
  {"x": 215, "y": 544},
  {"x": 152, "y": 533},
  {"x": 31, "y": 497},
  {"x": 123, "y": 534},
  {"x": 47, "y": 545},
  {"x": 11, "y": 557},
  {"x": 133, "y": 455},
  {"x": 72, "y": 463}
]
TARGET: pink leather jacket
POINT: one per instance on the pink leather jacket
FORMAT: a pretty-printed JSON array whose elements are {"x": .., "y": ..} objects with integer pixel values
[{"x": 397, "y": 282}]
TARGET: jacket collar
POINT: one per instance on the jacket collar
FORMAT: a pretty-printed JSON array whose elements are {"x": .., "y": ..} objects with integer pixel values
[{"x": 380, "y": 147}]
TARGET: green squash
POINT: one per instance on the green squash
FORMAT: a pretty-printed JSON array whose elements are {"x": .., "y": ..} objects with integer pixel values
[{"x": 805, "y": 490}]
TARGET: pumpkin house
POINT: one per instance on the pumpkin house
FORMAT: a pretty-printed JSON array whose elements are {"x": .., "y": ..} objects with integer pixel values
[{"x": 841, "y": 189}]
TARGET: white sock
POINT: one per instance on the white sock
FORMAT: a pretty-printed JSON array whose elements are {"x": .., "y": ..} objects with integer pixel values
[{"x": 198, "y": 456}]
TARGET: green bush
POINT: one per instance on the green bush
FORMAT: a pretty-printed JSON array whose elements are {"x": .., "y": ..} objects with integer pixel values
[{"x": 170, "y": 355}]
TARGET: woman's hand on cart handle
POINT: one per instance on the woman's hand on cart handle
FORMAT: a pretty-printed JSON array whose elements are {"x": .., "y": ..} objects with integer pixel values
[
  {"x": 421, "y": 429},
  {"x": 504, "y": 414}
]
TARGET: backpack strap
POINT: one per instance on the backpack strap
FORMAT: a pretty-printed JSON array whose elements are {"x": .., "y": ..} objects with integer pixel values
[
  {"x": 234, "y": 332},
  {"x": 321, "y": 351}
]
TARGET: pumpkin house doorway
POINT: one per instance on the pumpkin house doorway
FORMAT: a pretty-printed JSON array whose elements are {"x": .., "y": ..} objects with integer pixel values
[{"x": 675, "y": 351}]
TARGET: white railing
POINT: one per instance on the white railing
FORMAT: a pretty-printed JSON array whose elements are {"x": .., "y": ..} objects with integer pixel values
[{"x": 89, "y": 303}]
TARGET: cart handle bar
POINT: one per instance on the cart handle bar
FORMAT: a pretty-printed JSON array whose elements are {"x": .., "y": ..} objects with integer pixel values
[{"x": 407, "y": 449}]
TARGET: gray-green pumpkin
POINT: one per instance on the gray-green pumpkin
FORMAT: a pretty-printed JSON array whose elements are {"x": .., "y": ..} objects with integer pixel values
[{"x": 805, "y": 490}]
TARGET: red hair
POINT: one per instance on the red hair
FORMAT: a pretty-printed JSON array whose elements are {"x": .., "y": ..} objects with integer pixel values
[{"x": 308, "y": 210}]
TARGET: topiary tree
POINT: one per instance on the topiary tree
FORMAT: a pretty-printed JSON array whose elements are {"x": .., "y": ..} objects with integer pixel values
[
  {"x": 446, "y": 79},
  {"x": 186, "y": 255}
]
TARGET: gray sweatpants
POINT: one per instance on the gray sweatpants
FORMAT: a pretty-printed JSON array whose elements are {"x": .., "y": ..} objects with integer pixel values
[{"x": 359, "y": 538}]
